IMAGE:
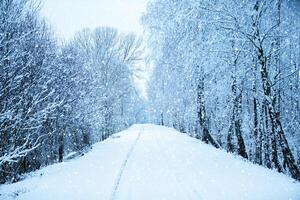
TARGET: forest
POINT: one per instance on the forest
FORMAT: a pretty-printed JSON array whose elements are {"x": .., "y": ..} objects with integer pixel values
[
  {"x": 57, "y": 100},
  {"x": 226, "y": 72}
]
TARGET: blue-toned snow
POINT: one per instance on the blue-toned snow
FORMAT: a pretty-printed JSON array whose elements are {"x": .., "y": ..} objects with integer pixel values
[{"x": 148, "y": 162}]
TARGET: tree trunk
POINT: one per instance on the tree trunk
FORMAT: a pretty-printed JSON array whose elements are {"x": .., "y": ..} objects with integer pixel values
[
  {"x": 275, "y": 117},
  {"x": 202, "y": 118},
  {"x": 257, "y": 134}
]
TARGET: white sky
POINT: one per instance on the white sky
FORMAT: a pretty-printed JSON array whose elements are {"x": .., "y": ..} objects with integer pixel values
[{"x": 69, "y": 16}]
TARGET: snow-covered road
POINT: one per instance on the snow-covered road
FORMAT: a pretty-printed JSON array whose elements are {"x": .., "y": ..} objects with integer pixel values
[{"x": 155, "y": 163}]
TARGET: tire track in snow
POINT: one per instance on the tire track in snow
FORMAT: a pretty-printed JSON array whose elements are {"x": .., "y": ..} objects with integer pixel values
[{"x": 123, "y": 166}]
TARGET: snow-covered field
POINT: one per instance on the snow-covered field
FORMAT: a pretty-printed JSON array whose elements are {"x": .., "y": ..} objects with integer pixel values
[{"x": 153, "y": 162}]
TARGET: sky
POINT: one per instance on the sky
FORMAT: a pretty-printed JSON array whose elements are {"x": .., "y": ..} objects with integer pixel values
[{"x": 68, "y": 16}]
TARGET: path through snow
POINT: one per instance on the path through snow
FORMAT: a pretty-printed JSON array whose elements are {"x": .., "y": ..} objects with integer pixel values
[{"x": 155, "y": 163}]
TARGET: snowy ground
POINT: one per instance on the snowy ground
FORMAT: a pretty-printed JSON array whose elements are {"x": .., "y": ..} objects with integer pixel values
[{"x": 153, "y": 162}]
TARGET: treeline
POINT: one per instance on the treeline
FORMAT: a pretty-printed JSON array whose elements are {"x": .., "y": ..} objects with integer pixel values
[
  {"x": 57, "y": 100},
  {"x": 227, "y": 72}
]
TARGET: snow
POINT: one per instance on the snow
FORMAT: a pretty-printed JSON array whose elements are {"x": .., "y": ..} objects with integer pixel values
[{"x": 154, "y": 162}]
